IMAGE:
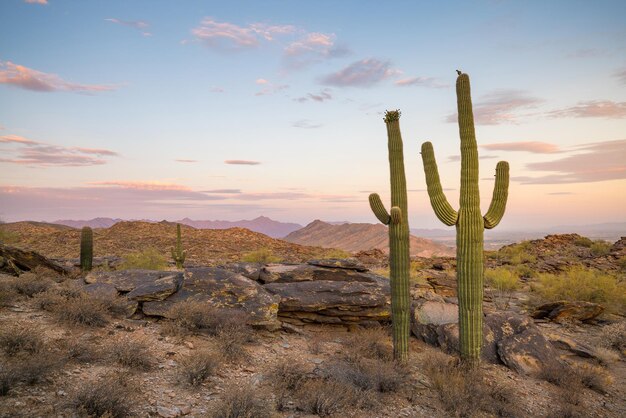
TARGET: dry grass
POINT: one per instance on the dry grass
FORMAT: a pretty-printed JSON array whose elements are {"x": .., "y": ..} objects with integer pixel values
[
  {"x": 197, "y": 367},
  {"x": 110, "y": 396},
  {"x": 30, "y": 284},
  {"x": 242, "y": 401},
  {"x": 325, "y": 398},
  {"x": 372, "y": 343},
  {"x": 287, "y": 376},
  {"x": 613, "y": 336},
  {"x": 30, "y": 369},
  {"x": 16, "y": 340},
  {"x": 369, "y": 375},
  {"x": 132, "y": 352},
  {"x": 8, "y": 294},
  {"x": 73, "y": 306}
]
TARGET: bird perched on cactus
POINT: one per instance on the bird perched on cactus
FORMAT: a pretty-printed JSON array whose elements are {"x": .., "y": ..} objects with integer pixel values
[
  {"x": 86, "y": 249},
  {"x": 469, "y": 222},
  {"x": 177, "y": 252},
  {"x": 398, "y": 223}
]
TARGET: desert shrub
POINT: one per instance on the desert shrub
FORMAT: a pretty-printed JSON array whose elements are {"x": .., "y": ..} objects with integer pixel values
[
  {"x": 594, "y": 378},
  {"x": 232, "y": 342},
  {"x": 132, "y": 352},
  {"x": 372, "y": 343},
  {"x": 369, "y": 375},
  {"x": 30, "y": 284},
  {"x": 82, "y": 310},
  {"x": 263, "y": 256},
  {"x": 580, "y": 284},
  {"x": 337, "y": 253},
  {"x": 148, "y": 259},
  {"x": 80, "y": 350},
  {"x": 16, "y": 340},
  {"x": 325, "y": 398},
  {"x": 242, "y": 401},
  {"x": 503, "y": 282},
  {"x": 198, "y": 366},
  {"x": 8, "y": 294},
  {"x": 583, "y": 242},
  {"x": 287, "y": 376},
  {"x": 600, "y": 248},
  {"x": 28, "y": 369},
  {"x": 524, "y": 271},
  {"x": 516, "y": 254},
  {"x": 109, "y": 397},
  {"x": 613, "y": 336},
  {"x": 561, "y": 375}
]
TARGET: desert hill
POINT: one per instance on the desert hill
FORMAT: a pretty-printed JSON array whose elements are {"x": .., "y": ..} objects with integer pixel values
[
  {"x": 360, "y": 236},
  {"x": 207, "y": 246}
]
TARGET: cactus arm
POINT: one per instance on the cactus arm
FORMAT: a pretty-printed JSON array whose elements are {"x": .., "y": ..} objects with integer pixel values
[
  {"x": 500, "y": 195},
  {"x": 438, "y": 200},
  {"x": 379, "y": 209}
]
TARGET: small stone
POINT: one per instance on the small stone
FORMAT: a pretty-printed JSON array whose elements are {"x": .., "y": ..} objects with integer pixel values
[
  {"x": 285, "y": 345},
  {"x": 61, "y": 393},
  {"x": 317, "y": 361},
  {"x": 164, "y": 412},
  {"x": 189, "y": 345}
]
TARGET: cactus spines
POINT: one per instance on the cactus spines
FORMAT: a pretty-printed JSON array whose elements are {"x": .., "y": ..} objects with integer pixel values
[
  {"x": 398, "y": 223},
  {"x": 86, "y": 249},
  {"x": 470, "y": 224},
  {"x": 177, "y": 252}
]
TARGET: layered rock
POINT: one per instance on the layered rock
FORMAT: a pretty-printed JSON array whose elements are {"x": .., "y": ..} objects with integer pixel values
[
  {"x": 15, "y": 261},
  {"x": 564, "y": 311}
]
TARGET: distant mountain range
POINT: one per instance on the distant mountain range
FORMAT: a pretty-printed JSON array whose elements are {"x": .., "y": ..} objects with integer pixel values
[
  {"x": 360, "y": 236},
  {"x": 262, "y": 224}
]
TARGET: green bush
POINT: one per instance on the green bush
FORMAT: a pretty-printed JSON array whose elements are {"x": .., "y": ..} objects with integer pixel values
[
  {"x": 581, "y": 284},
  {"x": 516, "y": 254},
  {"x": 583, "y": 242},
  {"x": 263, "y": 256},
  {"x": 503, "y": 283},
  {"x": 600, "y": 248},
  {"x": 149, "y": 259}
]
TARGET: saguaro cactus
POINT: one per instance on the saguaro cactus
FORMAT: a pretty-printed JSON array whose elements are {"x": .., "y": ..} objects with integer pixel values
[
  {"x": 86, "y": 249},
  {"x": 177, "y": 252},
  {"x": 470, "y": 224},
  {"x": 398, "y": 237}
]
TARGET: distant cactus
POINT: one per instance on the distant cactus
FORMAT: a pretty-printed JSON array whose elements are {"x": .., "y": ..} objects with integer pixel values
[
  {"x": 86, "y": 249},
  {"x": 397, "y": 220},
  {"x": 177, "y": 252},
  {"x": 469, "y": 222}
]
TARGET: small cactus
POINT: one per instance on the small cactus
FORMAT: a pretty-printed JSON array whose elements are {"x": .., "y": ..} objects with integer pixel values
[
  {"x": 469, "y": 222},
  {"x": 397, "y": 220},
  {"x": 86, "y": 249},
  {"x": 177, "y": 252}
]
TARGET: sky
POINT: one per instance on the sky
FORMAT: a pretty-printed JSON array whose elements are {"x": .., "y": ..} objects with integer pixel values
[{"x": 163, "y": 109}]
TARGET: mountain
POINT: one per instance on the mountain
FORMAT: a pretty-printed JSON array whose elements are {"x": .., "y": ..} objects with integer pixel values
[
  {"x": 203, "y": 246},
  {"x": 360, "y": 236},
  {"x": 92, "y": 223},
  {"x": 262, "y": 224}
]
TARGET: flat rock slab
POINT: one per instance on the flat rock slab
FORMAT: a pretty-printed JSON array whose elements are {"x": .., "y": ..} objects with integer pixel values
[
  {"x": 528, "y": 352},
  {"x": 561, "y": 311},
  {"x": 106, "y": 290},
  {"x": 249, "y": 270},
  {"x": 340, "y": 263},
  {"x": 129, "y": 280},
  {"x": 285, "y": 273},
  {"x": 221, "y": 289}
]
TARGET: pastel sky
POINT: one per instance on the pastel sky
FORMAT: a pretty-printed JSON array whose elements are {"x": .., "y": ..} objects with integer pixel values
[{"x": 166, "y": 109}]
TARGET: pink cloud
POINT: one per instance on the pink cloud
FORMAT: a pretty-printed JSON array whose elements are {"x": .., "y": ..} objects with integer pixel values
[
  {"x": 17, "y": 139},
  {"x": 528, "y": 146},
  {"x": 229, "y": 36},
  {"x": 322, "y": 96},
  {"x": 181, "y": 160},
  {"x": 140, "y": 185},
  {"x": 421, "y": 81},
  {"x": 242, "y": 162},
  {"x": 36, "y": 1},
  {"x": 29, "y": 79},
  {"x": 97, "y": 151},
  {"x": 312, "y": 48},
  {"x": 140, "y": 25},
  {"x": 269, "y": 88},
  {"x": 363, "y": 73},
  {"x": 500, "y": 106},
  {"x": 593, "y": 109}
]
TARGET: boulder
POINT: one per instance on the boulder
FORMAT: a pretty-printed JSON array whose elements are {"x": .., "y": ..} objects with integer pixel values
[
  {"x": 340, "y": 263},
  {"x": 15, "y": 261},
  {"x": 429, "y": 315},
  {"x": 374, "y": 257},
  {"x": 249, "y": 270},
  {"x": 221, "y": 289},
  {"x": 103, "y": 290},
  {"x": 360, "y": 298},
  {"x": 527, "y": 352},
  {"x": 561, "y": 311},
  {"x": 290, "y": 273},
  {"x": 443, "y": 282},
  {"x": 145, "y": 281}
]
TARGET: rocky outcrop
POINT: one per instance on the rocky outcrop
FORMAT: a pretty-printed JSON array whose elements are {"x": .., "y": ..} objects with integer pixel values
[
  {"x": 289, "y": 273},
  {"x": 15, "y": 261},
  {"x": 141, "y": 285},
  {"x": 220, "y": 288},
  {"x": 564, "y": 311}
]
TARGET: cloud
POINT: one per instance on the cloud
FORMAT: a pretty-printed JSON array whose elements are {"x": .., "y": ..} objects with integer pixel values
[
  {"x": 500, "y": 106},
  {"x": 306, "y": 124},
  {"x": 363, "y": 73},
  {"x": 140, "y": 185},
  {"x": 321, "y": 97},
  {"x": 36, "y": 1},
  {"x": 39, "y": 154},
  {"x": 621, "y": 75},
  {"x": 29, "y": 79},
  {"x": 182, "y": 160},
  {"x": 261, "y": 81},
  {"x": 590, "y": 163},
  {"x": 273, "y": 196},
  {"x": 242, "y": 162},
  {"x": 421, "y": 82},
  {"x": 216, "y": 90},
  {"x": 223, "y": 191},
  {"x": 269, "y": 88},
  {"x": 312, "y": 48},
  {"x": 527, "y": 146},
  {"x": 135, "y": 24},
  {"x": 592, "y": 109},
  {"x": 227, "y": 36}
]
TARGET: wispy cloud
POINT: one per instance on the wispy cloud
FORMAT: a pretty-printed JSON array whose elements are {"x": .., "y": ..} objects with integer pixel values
[
  {"x": 222, "y": 191},
  {"x": 306, "y": 124},
  {"x": 312, "y": 48},
  {"x": 593, "y": 109},
  {"x": 216, "y": 90},
  {"x": 421, "y": 82},
  {"x": 227, "y": 36},
  {"x": 269, "y": 88},
  {"x": 140, "y": 185},
  {"x": 39, "y": 154},
  {"x": 527, "y": 146},
  {"x": 36, "y": 1},
  {"x": 621, "y": 75},
  {"x": 242, "y": 162},
  {"x": 183, "y": 160},
  {"x": 364, "y": 73},
  {"x": 322, "y": 96},
  {"x": 500, "y": 106},
  {"x": 591, "y": 163},
  {"x": 29, "y": 79},
  {"x": 140, "y": 25}
]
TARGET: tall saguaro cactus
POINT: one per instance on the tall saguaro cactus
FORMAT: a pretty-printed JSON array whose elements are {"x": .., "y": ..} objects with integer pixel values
[
  {"x": 469, "y": 221},
  {"x": 398, "y": 237},
  {"x": 177, "y": 252},
  {"x": 86, "y": 249}
]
